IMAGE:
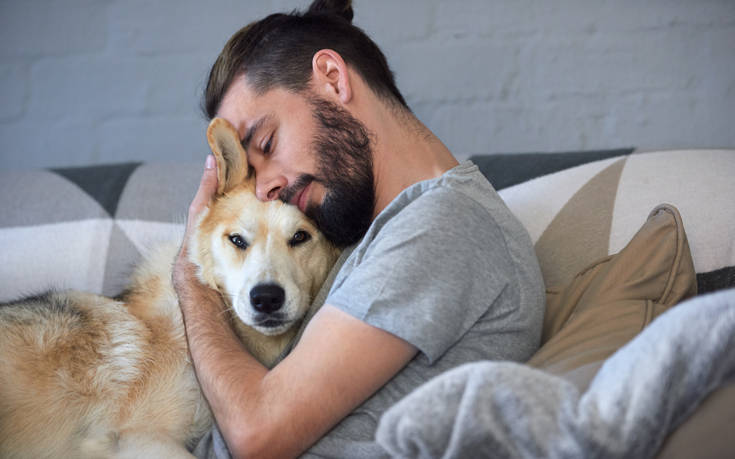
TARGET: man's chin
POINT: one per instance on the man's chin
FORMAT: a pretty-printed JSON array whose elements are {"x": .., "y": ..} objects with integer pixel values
[{"x": 341, "y": 231}]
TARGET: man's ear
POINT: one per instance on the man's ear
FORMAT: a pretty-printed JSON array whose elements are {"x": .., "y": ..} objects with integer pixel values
[
  {"x": 232, "y": 160},
  {"x": 329, "y": 72}
]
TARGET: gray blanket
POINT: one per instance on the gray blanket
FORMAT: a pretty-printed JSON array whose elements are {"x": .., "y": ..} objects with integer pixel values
[{"x": 641, "y": 393}]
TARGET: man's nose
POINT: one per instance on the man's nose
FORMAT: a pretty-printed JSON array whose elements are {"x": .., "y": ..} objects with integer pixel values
[{"x": 267, "y": 188}]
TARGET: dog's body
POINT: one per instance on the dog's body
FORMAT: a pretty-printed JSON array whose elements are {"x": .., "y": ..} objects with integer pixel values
[{"x": 82, "y": 375}]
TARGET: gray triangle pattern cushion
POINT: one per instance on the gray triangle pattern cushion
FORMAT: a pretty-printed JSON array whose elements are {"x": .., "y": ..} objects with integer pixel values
[{"x": 85, "y": 228}]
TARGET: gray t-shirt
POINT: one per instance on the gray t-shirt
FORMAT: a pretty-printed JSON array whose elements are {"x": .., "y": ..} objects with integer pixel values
[{"x": 448, "y": 268}]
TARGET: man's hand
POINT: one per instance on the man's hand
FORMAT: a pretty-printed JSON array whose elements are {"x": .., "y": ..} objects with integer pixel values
[
  {"x": 183, "y": 273},
  {"x": 200, "y": 305}
]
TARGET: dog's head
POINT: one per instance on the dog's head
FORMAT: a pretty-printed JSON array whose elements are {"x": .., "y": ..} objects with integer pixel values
[{"x": 266, "y": 258}]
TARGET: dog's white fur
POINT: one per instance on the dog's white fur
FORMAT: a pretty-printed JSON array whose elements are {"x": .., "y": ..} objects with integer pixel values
[{"x": 83, "y": 375}]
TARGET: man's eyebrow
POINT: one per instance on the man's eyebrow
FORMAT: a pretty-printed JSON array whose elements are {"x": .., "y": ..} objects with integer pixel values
[{"x": 253, "y": 129}]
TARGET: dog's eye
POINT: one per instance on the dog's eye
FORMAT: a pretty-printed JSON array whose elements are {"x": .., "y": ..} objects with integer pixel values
[
  {"x": 299, "y": 237},
  {"x": 238, "y": 241}
]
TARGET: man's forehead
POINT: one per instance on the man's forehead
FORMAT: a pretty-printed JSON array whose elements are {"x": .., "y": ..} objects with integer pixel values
[
  {"x": 247, "y": 110},
  {"x": 239, "y": 105}
]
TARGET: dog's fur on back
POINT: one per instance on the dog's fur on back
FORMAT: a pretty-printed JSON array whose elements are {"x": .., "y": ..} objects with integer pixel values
[{"x": 82, "y": 375}]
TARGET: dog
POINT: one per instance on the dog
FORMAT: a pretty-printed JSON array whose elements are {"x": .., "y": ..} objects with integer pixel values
[{"x": 82, "y": 375}]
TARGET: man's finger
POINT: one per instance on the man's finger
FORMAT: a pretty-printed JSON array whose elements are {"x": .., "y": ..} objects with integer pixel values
[
  {"x": 183, "y": 270},
  {"x": 206, "y": 191}
]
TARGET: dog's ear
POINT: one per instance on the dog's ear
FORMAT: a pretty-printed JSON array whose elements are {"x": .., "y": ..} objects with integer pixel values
[{"x": 232, "y": 160}]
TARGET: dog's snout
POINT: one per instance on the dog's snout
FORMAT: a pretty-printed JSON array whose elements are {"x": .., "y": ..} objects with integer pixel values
[{"x": 267, "y": 297}]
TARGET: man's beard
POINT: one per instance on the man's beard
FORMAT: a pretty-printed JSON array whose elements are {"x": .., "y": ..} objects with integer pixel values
[{"x": 345, "y": 169}]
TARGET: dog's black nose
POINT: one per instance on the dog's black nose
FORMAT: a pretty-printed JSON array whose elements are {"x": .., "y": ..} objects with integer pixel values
[{"x": 267, "y": 297}]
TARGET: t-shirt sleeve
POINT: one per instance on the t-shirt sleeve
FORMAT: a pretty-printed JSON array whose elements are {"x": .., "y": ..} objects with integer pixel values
[{"x": 430, "y": 273}]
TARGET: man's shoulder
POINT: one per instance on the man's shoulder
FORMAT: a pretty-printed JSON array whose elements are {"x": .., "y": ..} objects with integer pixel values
[
  {"x": 461, "y": 188},
  {"x": 440, "y": 205},
  {"x": 447, "y": 202},
  {"x": 460, "y": 211},
  {"x": 438, "y": 216}
]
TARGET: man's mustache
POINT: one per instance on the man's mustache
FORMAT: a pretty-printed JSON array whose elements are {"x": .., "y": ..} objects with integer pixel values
[{"x": 292, "y": 190}]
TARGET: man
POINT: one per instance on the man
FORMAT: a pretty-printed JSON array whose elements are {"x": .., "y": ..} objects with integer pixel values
[{"x": 441, "y": 273}]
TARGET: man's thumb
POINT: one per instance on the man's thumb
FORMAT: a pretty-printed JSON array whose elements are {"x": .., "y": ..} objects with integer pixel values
[{"x": 207, "y": 188}]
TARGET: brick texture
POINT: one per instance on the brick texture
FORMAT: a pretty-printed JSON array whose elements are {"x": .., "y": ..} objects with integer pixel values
[{"x": 99, "y": 81}]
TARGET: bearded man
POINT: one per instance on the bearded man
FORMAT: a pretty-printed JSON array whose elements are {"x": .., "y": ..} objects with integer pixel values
[{"x": 437, "y": 272}]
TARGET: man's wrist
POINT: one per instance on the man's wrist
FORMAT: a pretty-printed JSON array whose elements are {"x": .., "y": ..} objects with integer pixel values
[{"x": 191, "y": 292}]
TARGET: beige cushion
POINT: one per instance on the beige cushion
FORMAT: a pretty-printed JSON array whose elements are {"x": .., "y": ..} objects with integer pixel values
[{"x": 612, "y": 300}]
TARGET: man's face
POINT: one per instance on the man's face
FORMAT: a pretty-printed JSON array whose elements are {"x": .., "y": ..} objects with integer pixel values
[{"x": 308, "y": 152}]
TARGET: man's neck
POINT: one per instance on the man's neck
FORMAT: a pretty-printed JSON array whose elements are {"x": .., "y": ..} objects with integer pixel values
[{"x": 405, "y": 152}]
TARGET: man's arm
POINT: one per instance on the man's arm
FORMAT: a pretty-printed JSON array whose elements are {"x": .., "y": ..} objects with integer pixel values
[{"x": 339, "y": 362}]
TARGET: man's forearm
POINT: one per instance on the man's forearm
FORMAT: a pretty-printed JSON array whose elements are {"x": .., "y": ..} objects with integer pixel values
[
  {"x": 339, "y": 362},
  {"x": 229, "y": 376}
]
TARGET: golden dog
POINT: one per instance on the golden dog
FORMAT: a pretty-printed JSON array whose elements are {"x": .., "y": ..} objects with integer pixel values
[{"x": 82, "y": 375}]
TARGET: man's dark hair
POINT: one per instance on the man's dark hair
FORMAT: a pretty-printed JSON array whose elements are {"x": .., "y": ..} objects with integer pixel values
[{"x": 277, "y": 52}]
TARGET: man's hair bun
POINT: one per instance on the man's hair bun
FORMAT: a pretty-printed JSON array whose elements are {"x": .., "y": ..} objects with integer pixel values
[{"x": 341, "y": 8}]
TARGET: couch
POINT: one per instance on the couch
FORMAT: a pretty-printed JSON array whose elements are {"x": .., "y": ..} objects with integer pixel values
[{"x": 586, "y": 212}]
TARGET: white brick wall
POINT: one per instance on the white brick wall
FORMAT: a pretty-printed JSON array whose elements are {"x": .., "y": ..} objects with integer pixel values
[{"x": 99, "y": 81}]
